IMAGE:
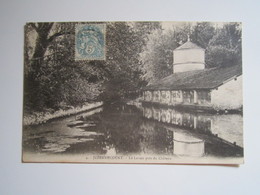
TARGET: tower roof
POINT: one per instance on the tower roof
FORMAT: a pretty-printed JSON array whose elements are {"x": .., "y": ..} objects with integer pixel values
[{"x": 189, "y": 45}]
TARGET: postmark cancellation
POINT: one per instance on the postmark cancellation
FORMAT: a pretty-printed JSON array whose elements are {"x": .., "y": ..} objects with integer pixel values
[{"x": 90, "y": 42}]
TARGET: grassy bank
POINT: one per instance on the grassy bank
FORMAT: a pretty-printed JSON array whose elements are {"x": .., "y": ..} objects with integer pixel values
[{"x": 42, "y": 117}]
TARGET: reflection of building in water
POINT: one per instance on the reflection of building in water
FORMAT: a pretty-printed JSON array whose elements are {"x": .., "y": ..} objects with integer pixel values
[
  {"x": 227, "y": 127},
  {"x": 185, "y": 119},
  {"x": 155, "y": 139},
  {"x": 193, "y": 85},
  {"x": 187, "y": 145},
  {"x": 160, "y": 140},
  {"x": 195, "y": 134}
]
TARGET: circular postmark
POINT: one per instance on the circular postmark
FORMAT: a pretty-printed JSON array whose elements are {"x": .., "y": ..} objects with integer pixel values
[{"x": 90, "y": 42}]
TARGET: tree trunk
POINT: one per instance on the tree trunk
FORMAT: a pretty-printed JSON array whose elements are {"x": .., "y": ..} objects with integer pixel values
[{"x": 34, "y": 97}]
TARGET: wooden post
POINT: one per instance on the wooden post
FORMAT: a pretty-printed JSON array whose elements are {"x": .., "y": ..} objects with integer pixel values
[
  {"x": 181, "y": 96},
  {"x": 195, "y": 96},
  {"x": 195, "y": 122},
  {"x": 168, "y": 97},
  {"x": 159, "y": 96},
  {"x": 171, "y": 98}
]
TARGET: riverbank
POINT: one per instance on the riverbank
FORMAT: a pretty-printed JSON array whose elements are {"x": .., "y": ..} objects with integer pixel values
[{"x": 37, "y": 118}]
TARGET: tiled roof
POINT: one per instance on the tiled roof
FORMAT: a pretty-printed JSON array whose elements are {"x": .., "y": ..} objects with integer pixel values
[
  {"x": 198, "y": 79},
  {"x": 188, "y": 45}
]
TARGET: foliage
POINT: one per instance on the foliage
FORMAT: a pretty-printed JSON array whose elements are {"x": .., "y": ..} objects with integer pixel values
[
  {"x": 157, "y": 58},
  {"x": 202, "y": 33},
  {"x": 218, "y": 55},
  {"x": 124, "y": 45},
  {"x": 224, "y": 49},
  {"x": 52, "y": 77}
]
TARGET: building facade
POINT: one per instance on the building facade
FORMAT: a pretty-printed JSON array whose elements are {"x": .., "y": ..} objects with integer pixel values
[{"x": 191, "y": 84}]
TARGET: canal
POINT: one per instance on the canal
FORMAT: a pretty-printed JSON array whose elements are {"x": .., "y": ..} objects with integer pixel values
[{"x": 122, "y": 129}]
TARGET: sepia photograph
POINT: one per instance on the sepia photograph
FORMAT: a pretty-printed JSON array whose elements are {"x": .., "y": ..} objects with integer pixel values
[{"x": 133, "y": 92}]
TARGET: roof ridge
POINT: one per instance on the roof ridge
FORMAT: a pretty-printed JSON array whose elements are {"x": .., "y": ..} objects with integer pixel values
[
  {"x": 198, "y": 79},
  {"x": 189, "y": 45}
]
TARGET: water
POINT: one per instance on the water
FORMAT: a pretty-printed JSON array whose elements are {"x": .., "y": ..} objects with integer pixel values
[{"x": 122, "y": 129}]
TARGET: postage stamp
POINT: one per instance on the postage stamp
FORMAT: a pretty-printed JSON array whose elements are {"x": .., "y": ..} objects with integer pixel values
[{"x": 90, "y": 42}]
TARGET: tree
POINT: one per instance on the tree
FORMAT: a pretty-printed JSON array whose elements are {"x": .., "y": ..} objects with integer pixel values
[
  {"x": 224, "y": 49},
  {"x": 125, "y": 41},
  {"x": 52, "y": 76},
  {"x": 202, "y": 33},
  {"x": 64, "y": 81},
  {"x": 157, "y": 57},
  {"x": 45, "y": 34},
  {"x": 181, "y": 32}
]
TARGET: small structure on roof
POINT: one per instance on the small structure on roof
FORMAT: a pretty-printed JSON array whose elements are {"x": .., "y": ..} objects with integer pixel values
[
  {"x": 193, "y": 85},
  {"x": 187, "y": 57}
]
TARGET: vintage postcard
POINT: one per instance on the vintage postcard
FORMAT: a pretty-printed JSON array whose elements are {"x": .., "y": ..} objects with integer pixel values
[{"x": 133, "y": 92}]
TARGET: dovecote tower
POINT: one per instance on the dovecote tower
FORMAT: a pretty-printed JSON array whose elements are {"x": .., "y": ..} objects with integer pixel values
[{"x": 188, "y": 57}]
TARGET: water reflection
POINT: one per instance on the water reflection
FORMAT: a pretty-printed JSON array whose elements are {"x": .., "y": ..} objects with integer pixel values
[
  {"x": 124, "y": 130},
  {"x": 228, "y": 127},
  {"x": 56, "y": 136},
  {"x": 187, "y": 145}
]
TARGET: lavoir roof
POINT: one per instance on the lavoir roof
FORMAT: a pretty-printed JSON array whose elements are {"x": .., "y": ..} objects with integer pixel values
[{"x": 198, "y": 79}]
